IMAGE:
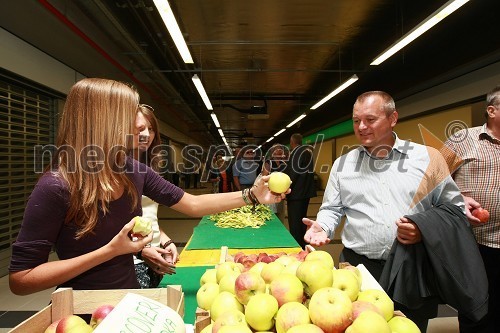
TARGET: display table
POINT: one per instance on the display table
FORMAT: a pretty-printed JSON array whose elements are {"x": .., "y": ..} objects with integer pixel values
[{"x": 203, "y": 251}]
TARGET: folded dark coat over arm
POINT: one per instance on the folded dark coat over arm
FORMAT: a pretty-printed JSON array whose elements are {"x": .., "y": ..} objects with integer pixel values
[{"x": 446, "y": 265}]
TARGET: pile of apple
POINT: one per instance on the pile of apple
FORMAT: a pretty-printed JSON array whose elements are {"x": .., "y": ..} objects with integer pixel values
[
  {"x": 75, "y": 324},
  {"x": 295, "y": 294}
]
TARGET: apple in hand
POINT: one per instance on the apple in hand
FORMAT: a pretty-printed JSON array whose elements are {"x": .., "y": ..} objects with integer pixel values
[
  {"x": 222, "y": 303},
  {"x": 287, "y": 288},
  {"x": 99, "y": 314},
  {"x": 346, "y": 281},
  {"x": 359, "y": 307},
  {"x": 74, "y": 324},
  {"x": 231, "y": 317},
  {"x": 260, "y": 312},
  {"x": 279, "y": 182},
  {"x": 331, "y": 310},
  {"x": 323, "y": 256},
  {"x": 208, "y": 276},
  {"x": 291, "y": 314},
  {"x": 142, "y": 226},
  {"x": 482, "y": 214},
  {"x": 399, "y": 324},
  {"x": 248, "y": 284},
  {"x": 314, "y": 275},
  {"x": 380, "y": 299},
  {"x": 206, "y": 295},
  {"x": 369, "y": 321},
  {"x": 305, "y": 328}
]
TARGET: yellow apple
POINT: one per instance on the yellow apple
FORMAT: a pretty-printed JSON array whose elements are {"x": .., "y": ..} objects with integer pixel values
[
  {"x": 260, "y": 312},
  {"x": 380, "y": 299},
  {"x": 206, "y": 295},
  {"x": 323, "y": 256},
  {"x": 73, "y": 323},
  {"x": 235, "y": 329},
  {"x": 314, "y": 275},
  {"x": 305, "y": 328},
  {"x": 330, "y": 309},
  {"x": 359, "y": 306},
  {"x": 369, "y": 321},
  {"x": 287, "y": 288},
  {"x": 223, "y": 302},
  {"x": 271, "y": 271},
  {"x": 291, "y": 314},
  {"x": 226, "y": 267},
  {"x": 291, "y": 268},
  {"x": 142, "y": 226},
  {"x": 399, "y": 324},
  {"x": 208, "y": 276},
  {"x": 208, "y": 328},
  {"x": 227, "y": 282},
  {"x": 346, "y": 281},
  {"x": 279, "y": 182},
  {"x": 231, "y": 317},
  {"x": 257, "y": 268},
  {"x": 248, "y": 284}
]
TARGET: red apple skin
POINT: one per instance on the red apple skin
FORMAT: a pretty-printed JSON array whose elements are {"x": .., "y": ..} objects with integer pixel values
[
  {"x": 99, "y": 314},
  {"x": 482, "y": 214},
  {"x": 68, "y": 323}
]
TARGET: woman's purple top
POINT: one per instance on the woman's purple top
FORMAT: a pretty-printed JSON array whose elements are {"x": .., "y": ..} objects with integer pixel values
[{"x": 43, "y": 227}]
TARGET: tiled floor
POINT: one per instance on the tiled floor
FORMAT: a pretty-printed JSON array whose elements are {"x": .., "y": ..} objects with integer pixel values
[{"x": 13, "y": 309}]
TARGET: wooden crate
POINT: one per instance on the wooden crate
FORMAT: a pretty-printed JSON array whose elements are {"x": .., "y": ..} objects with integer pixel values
[{"x": 66, "y": 301}]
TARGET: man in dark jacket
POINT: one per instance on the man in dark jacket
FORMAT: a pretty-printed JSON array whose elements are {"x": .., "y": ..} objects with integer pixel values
[{"x": 300, "y": 168}]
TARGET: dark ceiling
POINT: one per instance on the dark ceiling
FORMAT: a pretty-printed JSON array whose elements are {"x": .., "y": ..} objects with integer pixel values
[{"x": 282, "y": 54}]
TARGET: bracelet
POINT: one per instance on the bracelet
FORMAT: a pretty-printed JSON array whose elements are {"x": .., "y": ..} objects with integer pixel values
[
  {"x": 244, "y": 194},
  {"x": 167, "y": 243},
  {"x": 253, "y": 197}
]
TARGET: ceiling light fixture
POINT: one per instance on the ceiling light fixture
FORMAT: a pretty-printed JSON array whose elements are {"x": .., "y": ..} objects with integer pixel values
[
  {"x": 202, "y": 92},
  {"x": 214, "y": 118},
  {"x": 279, "y": 132},
  {"x": 270, "y": 139},
  {"x": 221, "y": 133},
  {"x": 173, "y": 28},
  {"x": 344, "y": 85},
  {"x": 299, "y": 118},
  {"x": 425, "y": 25}
]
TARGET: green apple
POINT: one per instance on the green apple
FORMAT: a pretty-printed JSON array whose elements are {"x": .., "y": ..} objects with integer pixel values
[
  {"x": 291, "y": 314},
  {"x": 330, "y": 309},
  {"x": 227, "y": 282},
  {"x": 369, "y": 321},
  {"x": 260, "y": 312},
  {"x": 305, "y": 328},
  {"x": 346, "y": 281},
  {"x": 142, "y": 226},
  {"x": 287, "y": 288},
  {"x": 279, "y": 182},
  {"x": 231, "y": 317},
  {"x": 223, "y": 302},
  {"x": 359, "y": 306},
  {"x": 380, "y": 299},
  {"x": 323, "y": 256},
  {"x": 248, "y": 284},
  {"x": 226, "y": 267},
  {"x": 399, "y": 324},
  {"x": 208, "y": 276},
  {"x": 314, "y": 275},
  {"x": 206, "y": 295},
  {"x": 271, "y": 271}
]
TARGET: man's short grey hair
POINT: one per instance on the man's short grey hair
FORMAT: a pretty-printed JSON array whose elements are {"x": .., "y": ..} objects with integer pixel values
[{"x": 389, "y": 106}]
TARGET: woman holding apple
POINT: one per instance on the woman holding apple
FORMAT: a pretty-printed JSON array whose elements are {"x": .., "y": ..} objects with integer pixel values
[{"x": 83, "y": 202}]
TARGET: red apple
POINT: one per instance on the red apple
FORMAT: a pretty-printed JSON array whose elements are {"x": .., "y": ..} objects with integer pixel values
[
  {"x": 99, "y": 314},
  {"x": 73, "y": 323},
  {"x": 482, "y": 214},
  {"x": 248, "y": 284}
]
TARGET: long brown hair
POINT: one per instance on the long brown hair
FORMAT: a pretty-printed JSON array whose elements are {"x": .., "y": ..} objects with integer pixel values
[
  {"x": 99, "y": 115},
  {"x": 151, "y": 157}
]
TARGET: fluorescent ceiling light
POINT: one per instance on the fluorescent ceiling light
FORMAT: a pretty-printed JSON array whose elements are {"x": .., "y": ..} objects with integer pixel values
[
  {"x": 299, "y": 118},
  {"x": 279, "y": 132},
  {"x": 221, "y": 133},
  {"x": 214, "y": 118},
  {"x": 344, "y": 85},
  {"x": 425, "y": 25},
  {"x": 173, "y": 28},
  {"x": 202, "y": 92},
  {"x": 270, "y": 139}
]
